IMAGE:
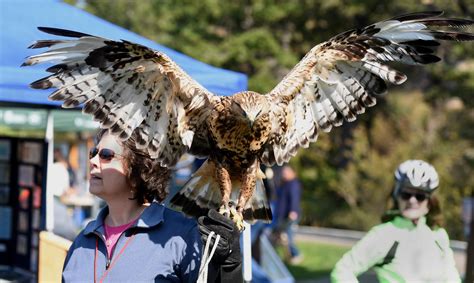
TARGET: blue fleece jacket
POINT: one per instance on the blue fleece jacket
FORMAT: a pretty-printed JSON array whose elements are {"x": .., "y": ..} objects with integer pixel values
[{"x": 166, "y": 248}]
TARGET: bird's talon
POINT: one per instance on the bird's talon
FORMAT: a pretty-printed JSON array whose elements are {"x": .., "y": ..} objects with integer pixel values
[
  {"x": 232, "y": 204},
  {"x": 238, "y": 219},
  {"x": 240, "y": 224},
  {"x": 225, "y": 210}
]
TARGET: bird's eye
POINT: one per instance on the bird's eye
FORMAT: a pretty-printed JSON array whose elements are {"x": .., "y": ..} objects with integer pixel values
[{"x": 240, "y": 108}]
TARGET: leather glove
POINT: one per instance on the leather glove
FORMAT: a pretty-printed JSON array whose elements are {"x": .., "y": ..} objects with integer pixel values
[
  {"x": 227, "y": 259},
  {"x": 228, "y": 248}
]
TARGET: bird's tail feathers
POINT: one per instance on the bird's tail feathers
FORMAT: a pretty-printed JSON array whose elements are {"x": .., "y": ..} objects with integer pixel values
[
  {"x": 201, "y": 193},
  {"x": 258, "y": 207}
]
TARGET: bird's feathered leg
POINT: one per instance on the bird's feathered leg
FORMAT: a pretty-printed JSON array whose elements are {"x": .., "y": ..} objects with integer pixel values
[
  {"x": 246, "y": 191},
  {"x": 213, "y": 186},
  {"x": 225, "y": 186}
]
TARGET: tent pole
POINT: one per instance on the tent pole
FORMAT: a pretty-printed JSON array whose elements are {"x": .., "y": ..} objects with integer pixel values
[
  {"x": 247, "y": 253},
  {"x": 49, "y": 138}
]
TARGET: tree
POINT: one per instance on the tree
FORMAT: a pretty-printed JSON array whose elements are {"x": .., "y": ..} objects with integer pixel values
[{"x": 347, "y": 174}]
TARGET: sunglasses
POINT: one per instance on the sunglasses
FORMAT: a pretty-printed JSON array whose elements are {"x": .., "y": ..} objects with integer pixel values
[
  {"x": 105, "y": 154},
  {"x": 419, "y": 196}
]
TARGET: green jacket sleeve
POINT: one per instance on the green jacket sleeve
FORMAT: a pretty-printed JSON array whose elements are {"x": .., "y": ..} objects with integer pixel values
[
  {"x": 452, "y": 275},
  {"x": 369, "y": 251}
]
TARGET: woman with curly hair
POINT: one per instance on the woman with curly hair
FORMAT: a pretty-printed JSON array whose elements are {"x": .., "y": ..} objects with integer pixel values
[{"x": 134, "y": 237}]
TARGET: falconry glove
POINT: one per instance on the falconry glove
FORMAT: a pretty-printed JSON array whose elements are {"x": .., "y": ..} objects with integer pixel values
[{"x": 226, "y": 263}]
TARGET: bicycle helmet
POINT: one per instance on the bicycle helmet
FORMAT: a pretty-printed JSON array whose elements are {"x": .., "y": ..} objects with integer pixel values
[{"x": 416, "y": 174}]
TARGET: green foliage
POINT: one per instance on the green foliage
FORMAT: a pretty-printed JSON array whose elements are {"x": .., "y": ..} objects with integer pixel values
[
  {"x": 405, "y": 127},
  {"x": 347, "y": 175}
]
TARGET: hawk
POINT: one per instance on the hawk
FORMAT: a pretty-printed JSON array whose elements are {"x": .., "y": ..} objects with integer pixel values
[{"x": 129, "y": 88}]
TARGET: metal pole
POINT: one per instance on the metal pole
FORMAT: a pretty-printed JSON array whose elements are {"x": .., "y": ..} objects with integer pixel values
[
  {"x": 49, "y": 137},
  {"x": 247, "y": 253}
]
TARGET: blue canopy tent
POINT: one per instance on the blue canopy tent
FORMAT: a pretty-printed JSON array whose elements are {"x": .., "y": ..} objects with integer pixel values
[{"x": 18, "y": 22}]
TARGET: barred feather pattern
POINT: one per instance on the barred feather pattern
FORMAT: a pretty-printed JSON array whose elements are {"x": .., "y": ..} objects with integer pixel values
[
  {"x": 126, "y": 87},
  {"x": 131, "y": 88},
  {"x": 338, "y": 79}
]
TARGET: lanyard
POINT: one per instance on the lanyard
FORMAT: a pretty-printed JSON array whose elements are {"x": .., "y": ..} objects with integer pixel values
[{"x": 109, "y": 264}]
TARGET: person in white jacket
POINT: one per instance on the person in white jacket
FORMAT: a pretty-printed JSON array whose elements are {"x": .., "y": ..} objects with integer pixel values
[{"x": 411, "y": 245}]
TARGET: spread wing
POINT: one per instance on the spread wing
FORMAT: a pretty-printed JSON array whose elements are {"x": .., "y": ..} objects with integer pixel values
[
  {"x": 338, "y": 79},
  {"x": 127, "y": 87}
]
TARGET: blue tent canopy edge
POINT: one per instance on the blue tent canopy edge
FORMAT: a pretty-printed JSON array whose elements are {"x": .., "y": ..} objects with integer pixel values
[{"x": 18, "y": 22}]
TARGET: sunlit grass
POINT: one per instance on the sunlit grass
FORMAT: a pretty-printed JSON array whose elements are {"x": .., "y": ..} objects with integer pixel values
[{"x": 318, "y": 259}]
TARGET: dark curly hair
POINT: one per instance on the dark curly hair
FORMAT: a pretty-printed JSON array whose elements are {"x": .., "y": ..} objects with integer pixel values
[
  {"x": 434, "y": 217},
  {"x": 146, "y": 176}
]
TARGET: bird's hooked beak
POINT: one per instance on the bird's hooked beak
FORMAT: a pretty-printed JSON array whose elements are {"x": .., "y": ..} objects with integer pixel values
[
  {"x": 251, "y": 117},
  {"x": 250, "y": 122},
  {"x": 249, "y": 114}
]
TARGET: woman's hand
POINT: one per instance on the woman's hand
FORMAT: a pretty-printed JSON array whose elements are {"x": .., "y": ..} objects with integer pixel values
[{"x": 227, "y": 259}]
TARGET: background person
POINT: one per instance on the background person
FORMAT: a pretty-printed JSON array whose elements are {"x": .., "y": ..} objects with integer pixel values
[
  {"x": 60, "y": 181},
  {"x": 288, "y": 198},
  {"x": 64, "y": 224},
  {"x": 411, "y": 245}
]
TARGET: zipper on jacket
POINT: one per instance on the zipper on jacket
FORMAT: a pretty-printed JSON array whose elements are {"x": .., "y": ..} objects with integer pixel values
[{"x": 108, "y": 258}]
